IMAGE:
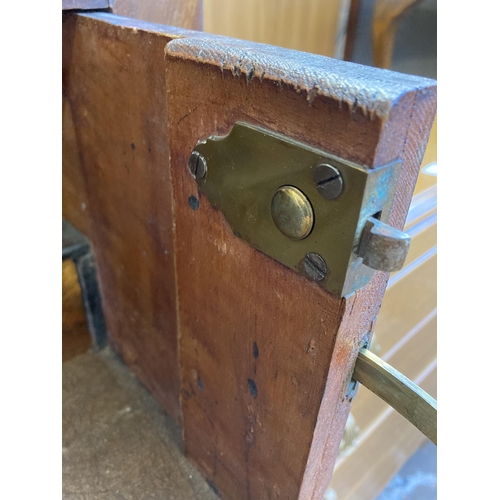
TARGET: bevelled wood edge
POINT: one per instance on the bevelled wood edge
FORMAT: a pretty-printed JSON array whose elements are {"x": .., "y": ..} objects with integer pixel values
[{"x": 372, "y": 90}]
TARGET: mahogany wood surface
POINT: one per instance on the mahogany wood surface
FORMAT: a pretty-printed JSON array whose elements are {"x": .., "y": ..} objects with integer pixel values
[
  {"x": 265, "y": 355},
  {"x": 74, "y": 195},
  {"x": 114, "y": 88}
]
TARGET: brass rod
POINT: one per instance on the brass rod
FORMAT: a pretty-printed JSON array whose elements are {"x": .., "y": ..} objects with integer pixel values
[{"x": 398, "y": 391}]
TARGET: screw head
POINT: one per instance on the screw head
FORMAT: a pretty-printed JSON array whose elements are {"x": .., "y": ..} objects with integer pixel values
[
  {"x": 314, "y": 266},
  {"x": 328, "y": 181},
  {"x": 292, "y": 213},
  {"x": 197, "y": 165}
]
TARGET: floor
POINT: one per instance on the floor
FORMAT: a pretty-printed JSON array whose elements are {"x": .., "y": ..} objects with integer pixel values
[{"x": 118, "y": 443}]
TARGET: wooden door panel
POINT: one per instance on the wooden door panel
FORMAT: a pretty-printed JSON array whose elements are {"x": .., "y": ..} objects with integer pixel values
[
  {"x": 251, "y": 357},
  {"x": 268, "y": 425},
  {"x": 114, "y": 86}
]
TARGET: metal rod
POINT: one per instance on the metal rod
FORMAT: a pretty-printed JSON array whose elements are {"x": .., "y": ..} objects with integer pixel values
[{"x": 398, "y": 391}]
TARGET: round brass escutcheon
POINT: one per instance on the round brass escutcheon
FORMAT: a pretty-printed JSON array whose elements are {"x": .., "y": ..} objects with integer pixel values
[{"x": 292, "y": 212}]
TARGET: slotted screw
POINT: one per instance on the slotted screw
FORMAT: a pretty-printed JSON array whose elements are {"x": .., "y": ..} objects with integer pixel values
[
  {"x": 328, "y": 181},
  {"x": 197, "y": 165},
  {"x": 314, "y": 266}
]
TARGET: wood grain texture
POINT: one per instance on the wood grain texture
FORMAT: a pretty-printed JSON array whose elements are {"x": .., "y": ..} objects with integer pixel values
[
  {"x": 309, "y": 25},
  {"x": 396, "y": 317},
  {"x": 266, "y": 355},
  {"x": 229, "y": 295},
  {"x": 84, "y": 4},
  {"x": 74, "y": 194},
  {"x": 114, "y": 88},
  {"x": 179, "y": 13}
]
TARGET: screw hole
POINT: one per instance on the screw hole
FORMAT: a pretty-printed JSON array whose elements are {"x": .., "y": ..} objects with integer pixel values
[{"x": 193, "y": 202}]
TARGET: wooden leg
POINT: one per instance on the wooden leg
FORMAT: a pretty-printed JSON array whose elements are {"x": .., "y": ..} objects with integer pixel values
[{"x": 386, "y": 18}]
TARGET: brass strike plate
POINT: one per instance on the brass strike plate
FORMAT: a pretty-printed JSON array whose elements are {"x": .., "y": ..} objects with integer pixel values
[{"x": 241, "y": 173}]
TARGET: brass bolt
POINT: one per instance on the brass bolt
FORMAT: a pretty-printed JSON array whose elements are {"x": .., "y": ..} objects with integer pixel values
[
  {"x": 197, "y": 165},
  {"x": 292, "y": 212},
  {"x": 383, "y": 247},
  {"x": 328, "y": 180}
]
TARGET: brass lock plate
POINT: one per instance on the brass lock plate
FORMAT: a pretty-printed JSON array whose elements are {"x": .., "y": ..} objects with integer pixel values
[{"x": 303, "y": 207}]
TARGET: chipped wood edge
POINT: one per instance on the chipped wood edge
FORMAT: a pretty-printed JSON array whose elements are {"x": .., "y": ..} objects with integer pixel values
[{"x": 372, "y": 90}]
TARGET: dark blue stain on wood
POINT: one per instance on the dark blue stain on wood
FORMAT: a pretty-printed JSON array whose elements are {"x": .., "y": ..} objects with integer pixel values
[
  {"x": 255, "y": 350},
  {"x": 132, "y": 146},
  {"x": 252, "y": 388},
  {"x": 193, "y": 202},
  {"x": 200, "y": 384}
]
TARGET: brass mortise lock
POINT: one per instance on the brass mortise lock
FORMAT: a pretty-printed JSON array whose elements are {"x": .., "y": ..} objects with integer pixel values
[{"x": 318, "y": 214}]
